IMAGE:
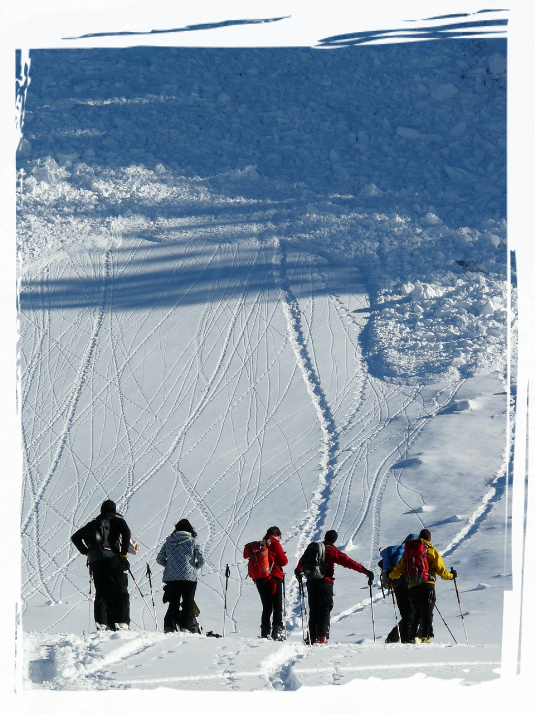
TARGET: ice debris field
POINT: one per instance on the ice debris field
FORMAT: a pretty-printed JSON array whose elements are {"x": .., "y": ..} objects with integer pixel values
[{"x": 263, "y": 287}]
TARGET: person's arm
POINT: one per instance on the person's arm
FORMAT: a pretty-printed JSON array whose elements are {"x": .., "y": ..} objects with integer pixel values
[
  {"x": 298, "y": 572},
  {"x": 280, "y": 556},
  {"x": 346, "y": 562},
  {"x": 397, "y": 570},
  {"x": 119, "y": 532},
  {"x": 198, "y": 556},
  {"x": 77, "y": 539},
  {"x": 161, "y": 558},
  {"x": 439, "y": 568}
]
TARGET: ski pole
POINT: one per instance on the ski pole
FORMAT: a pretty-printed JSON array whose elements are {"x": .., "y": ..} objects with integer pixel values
[
  {"x": 371, "y": 605},
  {"x": 444, "y": 621},
  {"x": 395, "y": 613},
  {"x": 90, "y": 599},
  {"x": 149, "y": 573},
  {"x": 459, "y": 601},
  {"x": 227, "y": 574},
  {"x": 284, "y": 603},
  {"x": 306, "y": 613},
  {"x": 301, "y": 608},
  {"x": 143, "y": 598}
]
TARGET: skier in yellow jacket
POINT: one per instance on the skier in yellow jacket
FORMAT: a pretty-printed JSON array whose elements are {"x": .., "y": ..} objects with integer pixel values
[{"x": 422, "y": 594}]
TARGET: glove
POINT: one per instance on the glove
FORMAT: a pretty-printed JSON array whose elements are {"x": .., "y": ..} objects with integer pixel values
[
  {"x": 454, "y": 573},
  {"x": 298, "y": 574},
  {"x": 370, "y": 576},
  {"x": 123, "y": 560}
]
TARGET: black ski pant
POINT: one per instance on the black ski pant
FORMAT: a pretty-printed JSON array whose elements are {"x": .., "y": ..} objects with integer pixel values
[
  {"x": 112, "y": 602},
  {"x": 320, "y": 604},
  {"x": 180, "y": 595},
  {"x": 271, "y": 604},
  {"x": 423, "y": 598},
  {"x": 401, "y": 593}
]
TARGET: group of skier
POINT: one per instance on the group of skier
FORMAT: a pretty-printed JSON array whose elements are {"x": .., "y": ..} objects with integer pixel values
[
  {"x": 106, "y": 541},
  {"x": 408, "y": 571}
]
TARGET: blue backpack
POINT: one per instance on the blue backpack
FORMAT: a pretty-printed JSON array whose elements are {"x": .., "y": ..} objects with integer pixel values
[{"x": 389, "y": 557}]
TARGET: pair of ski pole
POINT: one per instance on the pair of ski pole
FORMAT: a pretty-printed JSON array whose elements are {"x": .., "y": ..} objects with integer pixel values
[
  {"x": 436, "y": 608},
  {"x": 460, "y": 610},
  {"x": 153, "y": 611},
  {"x": 227, "y": 575},
  {"x": 303, "y": 604}
]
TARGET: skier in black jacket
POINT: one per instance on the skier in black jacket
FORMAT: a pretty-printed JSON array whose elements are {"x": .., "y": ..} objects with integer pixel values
[{"x": 105, "y": 542}]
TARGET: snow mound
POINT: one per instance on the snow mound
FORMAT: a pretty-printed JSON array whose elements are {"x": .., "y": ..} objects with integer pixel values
[{"x": 423, "y": 509}]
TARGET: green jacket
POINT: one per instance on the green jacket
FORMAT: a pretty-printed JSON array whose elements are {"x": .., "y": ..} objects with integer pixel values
[{"x": 434, "y": 561}]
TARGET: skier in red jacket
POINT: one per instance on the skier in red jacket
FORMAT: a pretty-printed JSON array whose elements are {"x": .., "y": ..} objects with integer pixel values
[
  {"x": 270, "y": 588},
  {"x": 320, "y": 591}
]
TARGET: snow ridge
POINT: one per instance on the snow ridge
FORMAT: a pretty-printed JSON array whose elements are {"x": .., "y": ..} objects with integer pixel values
[
  {"x": 505, "y": 473},
  {"x": 317, "y": 510}
]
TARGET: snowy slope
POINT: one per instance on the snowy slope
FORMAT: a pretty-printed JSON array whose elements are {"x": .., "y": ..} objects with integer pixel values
[{"x": 263, "y": 286}]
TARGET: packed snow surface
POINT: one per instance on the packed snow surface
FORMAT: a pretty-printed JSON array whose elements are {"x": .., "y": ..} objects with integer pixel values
[{"x": 258, "y": 287}]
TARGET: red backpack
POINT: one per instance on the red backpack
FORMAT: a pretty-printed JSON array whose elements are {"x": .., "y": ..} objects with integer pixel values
[
  {"x": 258, "y": 566},
  {"x": 415, "y": 566}
]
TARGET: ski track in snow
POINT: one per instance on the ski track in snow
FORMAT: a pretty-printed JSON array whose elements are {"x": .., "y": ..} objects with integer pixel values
[
  {"x": 360, "y": 425},
  {"x": 310, "y": 526},
  {"x": 503, "y": 476}
]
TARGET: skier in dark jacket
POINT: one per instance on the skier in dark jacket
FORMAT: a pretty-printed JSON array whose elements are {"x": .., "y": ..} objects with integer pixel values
[
  {"x": 320, "y": 591},
  {"x": 107, "y": 554},
  {"x": 181, "y": 557},
  {"x": 270, "y": 588}
]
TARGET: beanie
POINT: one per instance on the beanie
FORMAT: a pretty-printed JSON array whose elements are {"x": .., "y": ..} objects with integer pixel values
[
  {"x": 331, "y": 536},
  {"x": 108, "y": 507}
]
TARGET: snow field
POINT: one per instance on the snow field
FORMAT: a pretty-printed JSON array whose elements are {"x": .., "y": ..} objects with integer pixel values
[
  {"x": 258, "y": 287},
  {"x": 150, "y": 660},
  {"x": 340, "y": 148}
]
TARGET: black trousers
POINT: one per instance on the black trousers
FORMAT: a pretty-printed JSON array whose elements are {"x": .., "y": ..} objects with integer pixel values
[
  {"x": 180, "y": 595},
  {"x": 112, "y": 602},
  {"x": 401, "y": 593},
  {"x": 423, "y": 598},
  {"x": 320, "y": 604},
  {"x": 271, "y": 603}
]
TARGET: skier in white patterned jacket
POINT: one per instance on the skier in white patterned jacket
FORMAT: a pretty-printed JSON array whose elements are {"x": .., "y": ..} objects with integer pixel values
[{"x": 181, "y": 557}]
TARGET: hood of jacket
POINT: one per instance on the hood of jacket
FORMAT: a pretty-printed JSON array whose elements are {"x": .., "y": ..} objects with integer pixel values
[
  {"x": 426, "y": 542},
  {"x": 178, "y": 537}
]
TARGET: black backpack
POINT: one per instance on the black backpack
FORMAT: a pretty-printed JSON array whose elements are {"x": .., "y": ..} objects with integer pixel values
[
  {"x": 96, "y": 534},
  {"x": 313, "y": 561}
]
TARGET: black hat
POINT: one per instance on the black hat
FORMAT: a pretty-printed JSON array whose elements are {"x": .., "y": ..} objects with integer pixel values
[
  {"x": 274, "y": 531},
  {"x": 108, "y": 507},
  {"x": 425, "y": 534},
  {"x": 331, "y": 536},
  {"x": 184, "y": 525}
]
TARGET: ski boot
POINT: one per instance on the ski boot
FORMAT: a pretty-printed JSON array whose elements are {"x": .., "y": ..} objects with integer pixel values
[{"x": 277, "y": 634}]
